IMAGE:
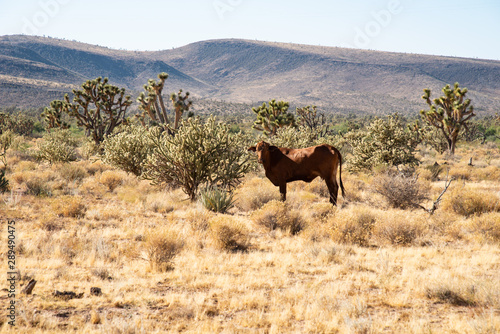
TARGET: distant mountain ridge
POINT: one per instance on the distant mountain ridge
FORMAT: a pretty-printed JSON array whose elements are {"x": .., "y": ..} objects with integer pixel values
[{"x": 36, "y": 70}]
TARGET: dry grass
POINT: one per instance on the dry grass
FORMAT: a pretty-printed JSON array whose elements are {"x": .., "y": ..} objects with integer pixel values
[
  {"x": 165, "y": 264},
  {"x": 468, "y": 201}
]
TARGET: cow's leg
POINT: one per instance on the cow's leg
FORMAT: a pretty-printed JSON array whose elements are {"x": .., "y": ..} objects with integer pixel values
[
  {"x": 283, "y": 191},
  {"x": 333, "y": 188}
]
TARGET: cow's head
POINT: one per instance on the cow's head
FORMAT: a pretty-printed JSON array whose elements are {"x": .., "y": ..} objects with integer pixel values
[{"x": 263, "y": 150}]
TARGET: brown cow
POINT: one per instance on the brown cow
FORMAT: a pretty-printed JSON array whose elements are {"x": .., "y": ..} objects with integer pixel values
[{"x": 283, "y": 165}]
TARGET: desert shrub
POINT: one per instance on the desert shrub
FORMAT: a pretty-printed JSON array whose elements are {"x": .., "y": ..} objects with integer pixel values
[
  {"x": 57, "y": 146},
  {"x": 19, "y": 124},
  {"x": 398, "y": 229},
  {"x": 384, "y": 142},
  {"x": 277, "y": 215},
  {"x": 254, "y": 193},
  {"x": 160, "y": 202},
  {"x": 199, "y": 218},
  {"x": 461, "y": 173},
  {"x": 199, "y": 154},
  {"x": 216, "y": 200},
  {"x": 468, "y": 202},
  {"x": 112, "y": 179},
  {"x": 229, "y": 234},
  {"x": 68, "y": 206},
  {"x": 72, "y": 172},
  {"x": 295, "y": 137},
  {"x": 400, "y": 190},
  {"x": 161, "y": 248},
  {"x": 89, "y": 148},
  {"x": 4, "y": 183},
  {"x": 128, "y": 149},
  {"x": 486, "y": 227},
  {"x": 353, "y": 226},
  {"x": 37, "y": 186}
]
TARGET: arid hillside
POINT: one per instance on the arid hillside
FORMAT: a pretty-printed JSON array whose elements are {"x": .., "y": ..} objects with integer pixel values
[{"x": 35, "y": 70}]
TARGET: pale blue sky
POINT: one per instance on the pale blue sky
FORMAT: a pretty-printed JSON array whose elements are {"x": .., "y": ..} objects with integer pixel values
[{"x": 441, "y": 27}]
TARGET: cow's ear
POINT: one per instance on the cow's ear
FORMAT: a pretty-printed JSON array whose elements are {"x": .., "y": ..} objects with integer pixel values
[{"x": 253, "y": 149}]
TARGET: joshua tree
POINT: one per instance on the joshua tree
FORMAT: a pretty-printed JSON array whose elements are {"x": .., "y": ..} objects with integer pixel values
[
  {"x": 449, "y": 113},
  {"x": 52, "y": 115},
  {"x": 309, "y": 117},
  {"x": 272, "y": 117},
  {"x": 153, "y": 104},
  {"x": 99, "y": 107},
  {"x": 181, "y": 104}
]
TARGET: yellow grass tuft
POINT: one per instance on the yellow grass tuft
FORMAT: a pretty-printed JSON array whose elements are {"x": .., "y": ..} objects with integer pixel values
[
  {"x": 353, "y": 225},
  {"x": 68, "y": 206},
  {"x": 229, "y": 234},
  {"x": 161, "y": 247},
  {"x": 467, "y": 201},
  {"x": 112, "y": 178},
  {"x": 278, "y": 215}
]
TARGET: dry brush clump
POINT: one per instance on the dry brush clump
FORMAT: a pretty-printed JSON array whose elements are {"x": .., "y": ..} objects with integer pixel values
[
  {"x": 278, "y": 215},
  {"x": 229, "y": 234},
  {"x": 112, "y": 179},
  {"x": 467, "y": 201},
  {"x": 68, "y": 206},
  {"x": 401, "y": 190},
  {"x": 161, "y": 247},
  {"x": 400, "y": 227},
  {"x": 353, "y": 225}
]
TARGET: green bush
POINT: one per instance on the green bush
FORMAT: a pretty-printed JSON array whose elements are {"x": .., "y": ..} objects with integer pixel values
[
  {"x": 384, "y": 142},
  {"x": 199, "y": 154},
  {"x": 19, "y": 124},
  {"x": 129, "y": 149},
  {"x": 295, "y": 137},
  {"x": 57, "y": 146},
  {"x": 216, "y": 200}
]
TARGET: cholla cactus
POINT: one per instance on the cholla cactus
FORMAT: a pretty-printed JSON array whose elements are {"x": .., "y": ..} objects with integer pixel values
[
  {"x": 99, "y": 107},
  {"x": 384, "y": 142},
  {"x": 272, "y": 117},
  {"x": 200, "y": 154},
  {"x": 52, "y": 115},
  {"x": 57, "y": 146},
  {"x": 449, "y": 113},
  {"x": 128, "y": 149}
]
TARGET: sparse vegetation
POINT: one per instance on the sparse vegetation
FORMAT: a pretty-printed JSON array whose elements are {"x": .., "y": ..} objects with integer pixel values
[{"x": 166, "y": 263}]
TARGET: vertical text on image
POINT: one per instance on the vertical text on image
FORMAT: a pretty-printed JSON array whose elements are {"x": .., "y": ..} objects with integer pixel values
[{"x": 11, "y": 271}]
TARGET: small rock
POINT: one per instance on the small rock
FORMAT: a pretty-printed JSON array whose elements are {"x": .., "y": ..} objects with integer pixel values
[{"x": 95, "y": 291}]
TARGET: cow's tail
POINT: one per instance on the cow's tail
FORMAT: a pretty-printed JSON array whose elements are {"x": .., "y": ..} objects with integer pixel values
[{"x": 340, "y": 173}]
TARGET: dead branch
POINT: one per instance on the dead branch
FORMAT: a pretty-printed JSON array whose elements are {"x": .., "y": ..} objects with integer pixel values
[{"x": 440, "y": 197}]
